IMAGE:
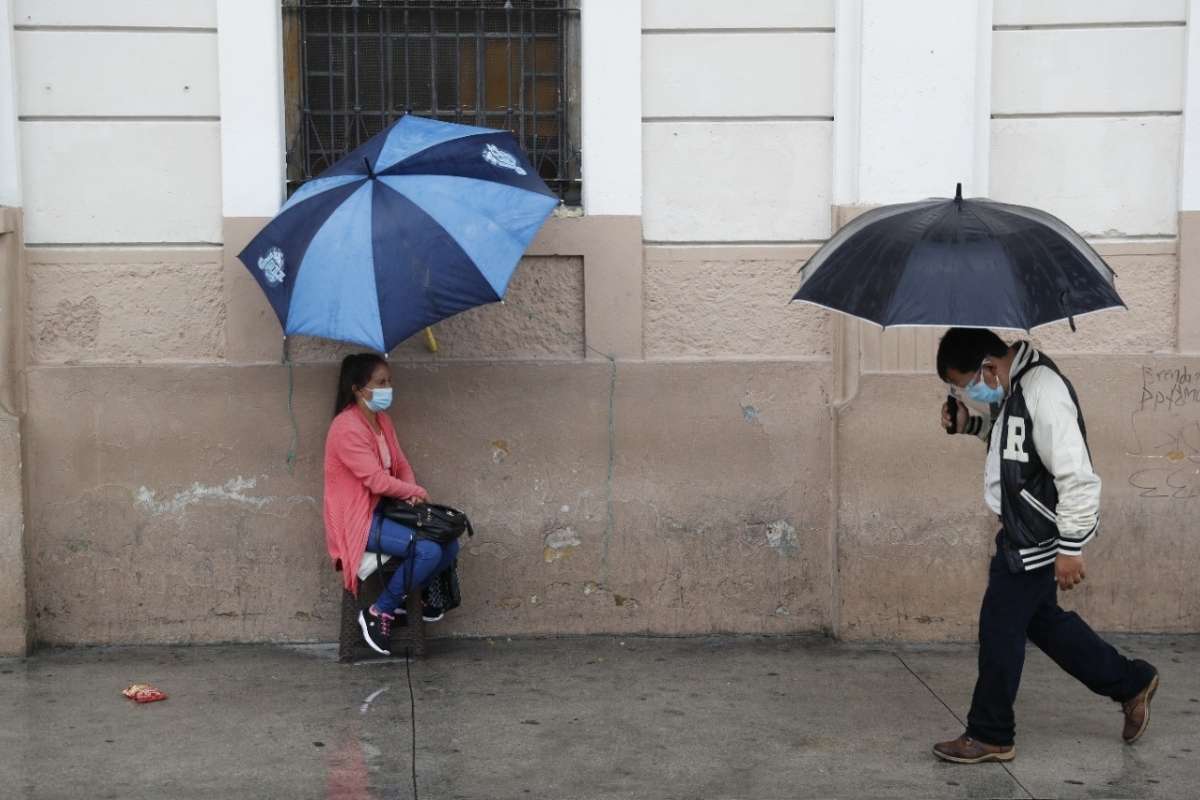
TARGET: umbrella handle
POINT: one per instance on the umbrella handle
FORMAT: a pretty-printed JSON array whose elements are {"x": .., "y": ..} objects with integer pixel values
[
  {"x": 952, "y": 404},
  {"x": 430, "y": 342}
]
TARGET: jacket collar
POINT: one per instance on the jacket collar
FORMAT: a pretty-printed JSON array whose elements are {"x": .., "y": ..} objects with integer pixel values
[{"x": 1027, "y": 356}]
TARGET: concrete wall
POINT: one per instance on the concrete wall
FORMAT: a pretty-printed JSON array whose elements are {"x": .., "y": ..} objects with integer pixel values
[
  {"x": 741, "y": 464},
  {"x": 219, "y": 542},
  {"x": 14, "y": 618}
]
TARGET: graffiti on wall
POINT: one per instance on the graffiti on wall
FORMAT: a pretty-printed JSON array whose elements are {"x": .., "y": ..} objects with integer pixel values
[{"x": 1166, "y": 434}]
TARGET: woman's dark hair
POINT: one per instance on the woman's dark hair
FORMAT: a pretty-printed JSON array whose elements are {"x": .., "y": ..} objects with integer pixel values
[
  {"x": 356, "y": 371},
  {"x": 964, "y": 349}
]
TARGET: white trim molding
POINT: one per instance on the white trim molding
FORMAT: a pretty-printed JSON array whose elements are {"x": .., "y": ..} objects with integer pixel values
[
  {"x": 847, "y": 99},
  {"x": 250, "y": 53},
  {"x": 611, "y": 97},
  {"x": 1189, "y": 173},
  {"x": 10, "y": 142}
]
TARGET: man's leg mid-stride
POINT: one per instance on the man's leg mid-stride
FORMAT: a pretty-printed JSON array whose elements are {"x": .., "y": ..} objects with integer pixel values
[
  {"x": 1021, "y": 605},
  {"x": 1079, "y": 651},
  {"x": 1008, "y": 606}
]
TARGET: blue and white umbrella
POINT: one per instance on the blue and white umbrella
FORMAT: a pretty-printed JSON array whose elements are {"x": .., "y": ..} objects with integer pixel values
[{"x": 424, "y": 220}]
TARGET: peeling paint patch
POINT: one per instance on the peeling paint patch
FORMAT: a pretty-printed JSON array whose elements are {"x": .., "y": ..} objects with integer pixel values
[
  {"x": 781, "y": 536},
  {"x": 626, "y": 602},
  {"x": 232, "y": 491},
  {"x": 560, "y": 544}
]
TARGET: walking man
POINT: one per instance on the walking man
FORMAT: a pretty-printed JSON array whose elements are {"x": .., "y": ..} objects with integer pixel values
[{"x": 1038, "y": 479}]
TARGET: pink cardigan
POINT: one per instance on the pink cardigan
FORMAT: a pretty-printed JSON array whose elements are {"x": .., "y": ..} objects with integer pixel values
[{"x": 354, "y": 481}]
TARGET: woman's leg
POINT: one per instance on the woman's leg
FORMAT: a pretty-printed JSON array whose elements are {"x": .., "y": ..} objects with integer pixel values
[
  {"x": 449, "y": 553},
  {"x": 395, "y": 539}
]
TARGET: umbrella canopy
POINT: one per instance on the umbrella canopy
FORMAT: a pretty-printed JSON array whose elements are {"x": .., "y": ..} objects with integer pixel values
[
  {"x": 965, "y": 263},
  {"x": 424, "y": 220}
]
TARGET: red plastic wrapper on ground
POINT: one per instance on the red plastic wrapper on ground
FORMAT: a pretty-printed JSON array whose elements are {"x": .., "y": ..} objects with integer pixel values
[{"x": 144, "y": 693}]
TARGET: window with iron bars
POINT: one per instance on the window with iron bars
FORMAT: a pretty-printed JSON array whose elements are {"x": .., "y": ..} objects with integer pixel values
[{"x": 352, "y": 67}]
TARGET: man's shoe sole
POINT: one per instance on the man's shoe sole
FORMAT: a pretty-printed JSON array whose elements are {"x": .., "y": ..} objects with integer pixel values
[
  {"x": 1146, "y": 722},
  {"x": 362, "y": 625},
  {"x": 1006, "y": 756}
]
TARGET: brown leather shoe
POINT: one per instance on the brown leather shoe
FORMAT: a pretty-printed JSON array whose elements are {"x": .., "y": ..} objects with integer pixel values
[
  {"x": 1137, "y": 712},
  {"x": 965, "y": 750}
]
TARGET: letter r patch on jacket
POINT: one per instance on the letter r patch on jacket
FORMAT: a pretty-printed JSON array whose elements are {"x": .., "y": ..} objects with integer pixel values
[{"x": 1014, "y": 448}]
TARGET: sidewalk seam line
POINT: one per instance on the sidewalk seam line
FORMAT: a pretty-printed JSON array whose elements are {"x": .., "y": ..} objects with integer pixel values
[{"x": 929, "y": 689}]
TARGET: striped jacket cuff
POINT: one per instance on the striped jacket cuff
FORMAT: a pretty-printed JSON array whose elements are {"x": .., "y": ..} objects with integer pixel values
[{"x": 1074, "y": 547}]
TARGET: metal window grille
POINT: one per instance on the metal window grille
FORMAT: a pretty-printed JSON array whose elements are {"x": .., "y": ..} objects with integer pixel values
[{"x": 354, "y": 66}]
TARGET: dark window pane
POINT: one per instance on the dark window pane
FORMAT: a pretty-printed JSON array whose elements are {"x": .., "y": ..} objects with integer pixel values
[{"x": 354, "y": 66}]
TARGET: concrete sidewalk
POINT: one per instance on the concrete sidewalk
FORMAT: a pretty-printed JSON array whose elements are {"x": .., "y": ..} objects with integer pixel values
[{"x": 575, "y": 718}]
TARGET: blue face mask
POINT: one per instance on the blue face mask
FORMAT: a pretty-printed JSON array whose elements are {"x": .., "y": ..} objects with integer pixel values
[
  {"x": 980, "y": 392},
  {"x": 381, "y": 399}
]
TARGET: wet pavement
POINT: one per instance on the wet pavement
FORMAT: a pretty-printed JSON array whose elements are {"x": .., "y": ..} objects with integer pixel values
[{"x": 595, "y": 717}]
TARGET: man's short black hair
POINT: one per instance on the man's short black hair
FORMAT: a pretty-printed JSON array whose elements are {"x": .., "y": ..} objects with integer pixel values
[{"x": 964, "y": 349}]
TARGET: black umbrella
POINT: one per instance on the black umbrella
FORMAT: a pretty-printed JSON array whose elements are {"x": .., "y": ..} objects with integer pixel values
[{"x": 969, "y": 263}]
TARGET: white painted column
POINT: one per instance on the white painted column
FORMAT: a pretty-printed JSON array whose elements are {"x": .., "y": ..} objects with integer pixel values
[
  {"x": 924, "y": 99},
  {"x": 1189, "y": 173},
  {"x": 611, "y": 95},
  {"x": 913, "y": 99},
  {"x": 847, "y": 99},
  {"x": 250, "y": 51},
  {"x": 1189, "y": 192},
  {"x": 10, "y": 146}
]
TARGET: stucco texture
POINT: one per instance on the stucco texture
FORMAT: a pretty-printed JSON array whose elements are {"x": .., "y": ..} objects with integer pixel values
[
  {"x": 720, "y": 308},
  {"x": 125, "y": 306},
  {"x": 13, "y": 625},
  {"x": 156, "y": 521},
  {"x": 1149, "y": 285},
  {"x": 914, "y": 543}
]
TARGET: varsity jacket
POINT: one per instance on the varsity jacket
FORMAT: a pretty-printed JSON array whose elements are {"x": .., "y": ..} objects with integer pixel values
[{"x": 1039, "y": 477}]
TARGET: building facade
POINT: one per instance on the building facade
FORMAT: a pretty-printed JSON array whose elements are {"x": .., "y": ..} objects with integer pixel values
[{"x": 649, "y": 437}]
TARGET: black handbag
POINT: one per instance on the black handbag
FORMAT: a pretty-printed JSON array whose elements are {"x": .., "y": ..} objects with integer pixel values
[
  {"x": 444, "y": 590},
  {"x": 441, "y": 524}
]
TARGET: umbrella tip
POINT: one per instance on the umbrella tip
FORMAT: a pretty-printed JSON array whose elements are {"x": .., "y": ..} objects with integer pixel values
[{"x": 958, "y": 193}]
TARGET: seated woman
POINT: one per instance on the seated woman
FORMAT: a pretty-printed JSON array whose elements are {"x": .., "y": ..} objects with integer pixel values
[{"x": 363, "y": 462}]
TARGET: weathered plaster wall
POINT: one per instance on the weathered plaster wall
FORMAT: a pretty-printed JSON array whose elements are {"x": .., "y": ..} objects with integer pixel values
[
  {"x": 159, "y": 505},
  {"x": 720, "y": 303},
  {"x": 914, "y": 543},
  {"x": 14, "y": 629},
  {"x": 115, "y": 305},
  {"x": 162, "y": 509}
]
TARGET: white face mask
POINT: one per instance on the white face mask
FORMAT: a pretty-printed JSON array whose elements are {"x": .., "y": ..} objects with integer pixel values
[
  {"x": 975, "y": 405},
  {"x": 381, "y": 399}
]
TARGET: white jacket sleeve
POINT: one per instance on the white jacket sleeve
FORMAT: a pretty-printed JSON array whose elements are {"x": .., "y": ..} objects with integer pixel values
[
  {"x": 1062, "y": 449},
  {"x": 979, "y": 425}
]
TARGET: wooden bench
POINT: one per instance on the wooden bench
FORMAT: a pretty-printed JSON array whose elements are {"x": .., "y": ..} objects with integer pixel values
[{"x": 408, "y": 638}]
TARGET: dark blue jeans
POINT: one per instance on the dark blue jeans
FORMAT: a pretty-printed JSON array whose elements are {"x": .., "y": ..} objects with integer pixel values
[
  {"x": 429, "y": 559},
  {"x": 1024, "y": 606}
]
